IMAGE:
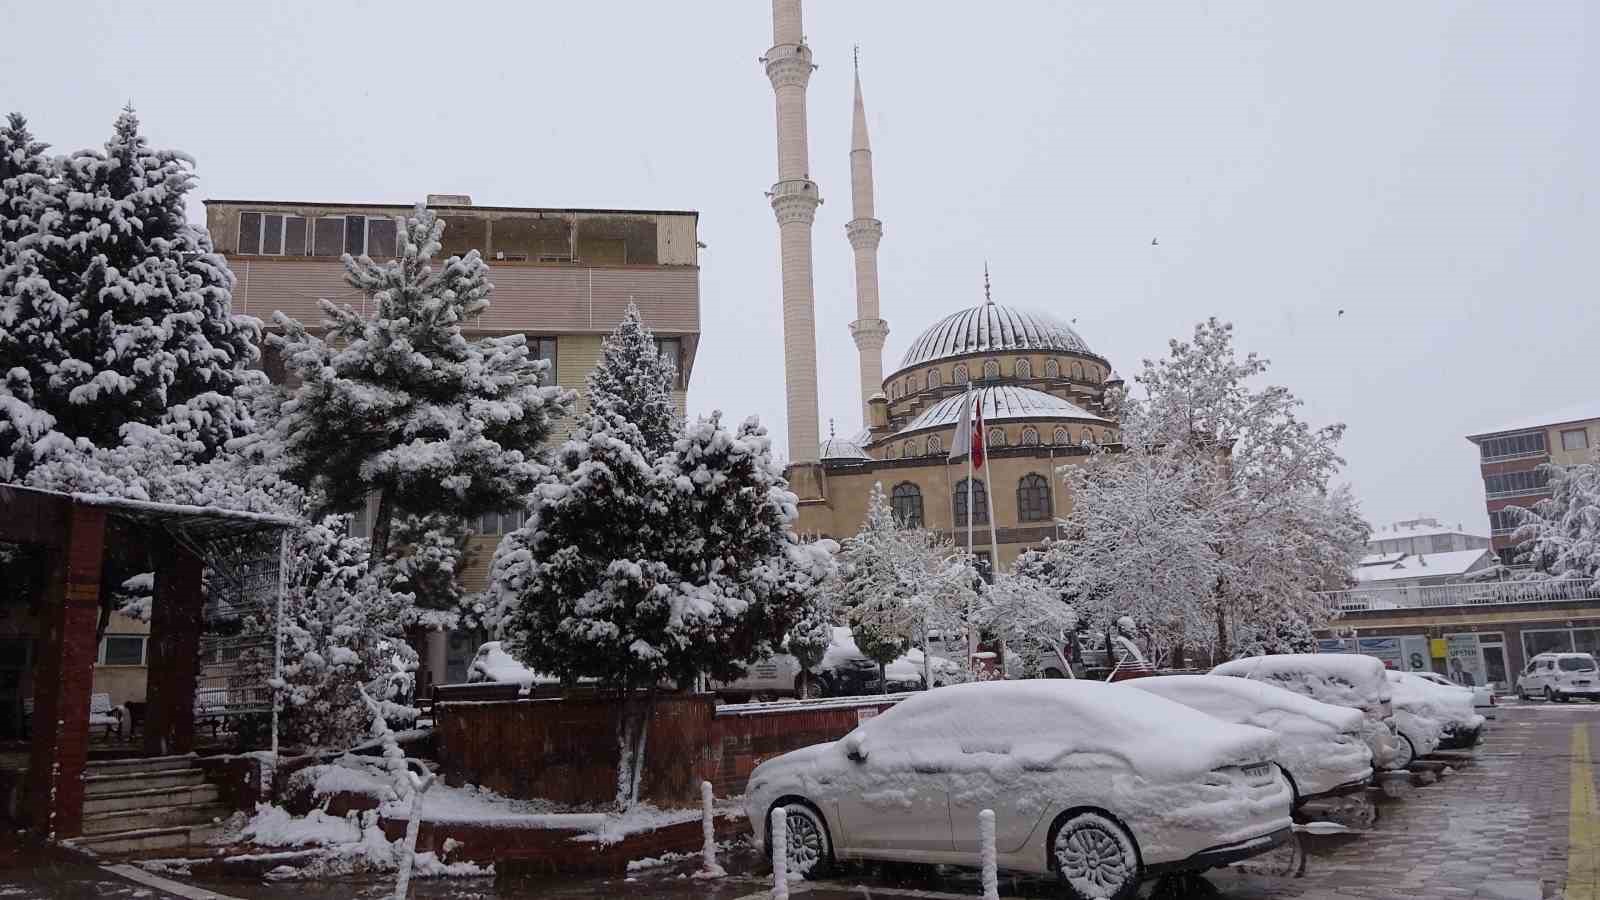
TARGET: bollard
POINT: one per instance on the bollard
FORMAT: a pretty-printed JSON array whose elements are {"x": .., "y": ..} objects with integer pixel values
[
  {"x": 708, "y": 827},
  {"x": 780, "y": 854},
  {"x": 991, "y": 878}
]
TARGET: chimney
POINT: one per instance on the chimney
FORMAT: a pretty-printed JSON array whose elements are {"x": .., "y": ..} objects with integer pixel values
[{"x": 449, "y": 200}]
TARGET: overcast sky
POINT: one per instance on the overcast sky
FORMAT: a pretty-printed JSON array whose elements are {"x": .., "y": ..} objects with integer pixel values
[{"x": 1429, "y": 168}]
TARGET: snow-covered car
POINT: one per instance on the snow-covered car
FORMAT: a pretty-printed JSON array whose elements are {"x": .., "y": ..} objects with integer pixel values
[
  {"x": 1461, "y": 725},
  {"x": 1482, "y": 694},
  {"x": 1320, "y": 747},
  {"x": 847, "y": 672},
  {"x": 776, "y": 676},
  {"x": 1340, "y": 679},
  {"x": 1097, "y": 784},
  {"x": 1419, "y": 716},
  {"x": 1559, "y": 677}
]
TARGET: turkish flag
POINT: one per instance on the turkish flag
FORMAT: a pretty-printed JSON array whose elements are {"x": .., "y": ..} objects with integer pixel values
[{"x": 977, "y": 434}]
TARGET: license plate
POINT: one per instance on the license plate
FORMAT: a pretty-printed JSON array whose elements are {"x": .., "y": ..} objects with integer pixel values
[
  {"x": 1581, "y": 683},
  {"x": 1256, "y": 771}
]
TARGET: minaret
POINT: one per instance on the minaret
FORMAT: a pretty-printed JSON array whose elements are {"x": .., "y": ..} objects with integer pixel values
[
  {"x": 794, "y": 201},
  {"x": 864, "y": 232}
]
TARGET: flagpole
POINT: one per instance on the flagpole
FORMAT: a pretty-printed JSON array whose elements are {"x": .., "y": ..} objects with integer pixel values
[{"x": 972, "y": 631}]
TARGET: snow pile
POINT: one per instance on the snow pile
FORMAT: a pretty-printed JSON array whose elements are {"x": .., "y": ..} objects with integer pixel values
[
  {"x": 470, "y": 803},
  {"x": 493, "y": 663},
  {"x": 642, "y": 817},
  {"x": 353, "y": 845}
]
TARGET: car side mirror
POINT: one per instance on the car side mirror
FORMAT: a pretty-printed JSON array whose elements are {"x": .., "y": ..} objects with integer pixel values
[
  {"x": 856, "y": 756},
  {"x": 852, "y": 749}
]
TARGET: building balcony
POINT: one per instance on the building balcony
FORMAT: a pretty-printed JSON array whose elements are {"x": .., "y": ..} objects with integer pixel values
[{"x": 1469, "y": 594}]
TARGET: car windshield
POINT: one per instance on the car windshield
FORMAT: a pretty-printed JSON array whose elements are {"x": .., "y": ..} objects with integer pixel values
[{"x": 1576, "y": 664}]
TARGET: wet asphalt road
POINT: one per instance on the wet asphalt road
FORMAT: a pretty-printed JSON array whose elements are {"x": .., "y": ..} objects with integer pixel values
[{"x": 1501, "y": 827}]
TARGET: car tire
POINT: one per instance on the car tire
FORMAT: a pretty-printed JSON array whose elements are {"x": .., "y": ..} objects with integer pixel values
[
  {"x": 1408, "y": 753},
  {"x": 1094, "y": 857},
  {"x": 1522, "y": 694},
  {"x": 810, "y": 847}
]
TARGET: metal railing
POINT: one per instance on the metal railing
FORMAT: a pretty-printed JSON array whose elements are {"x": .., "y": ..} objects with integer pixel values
[{"x": 1493, "y": 593}]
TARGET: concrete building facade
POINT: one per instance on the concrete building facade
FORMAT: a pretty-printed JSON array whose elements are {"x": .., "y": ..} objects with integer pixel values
[{"x": 1510, "y": 457}]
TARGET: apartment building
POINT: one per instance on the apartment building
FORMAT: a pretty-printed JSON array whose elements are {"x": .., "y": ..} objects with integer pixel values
[
  {"x": 1510, "y": 457},
  {"x": 1423, "y": 535},
  {"x": 562, "y": 277}
]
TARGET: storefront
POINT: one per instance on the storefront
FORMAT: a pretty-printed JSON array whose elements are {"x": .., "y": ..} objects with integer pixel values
[
  {"x": 1469, "y": 658},
  {"x": 1559, "y": 640},
  {"x": 1403, "y": 652}
]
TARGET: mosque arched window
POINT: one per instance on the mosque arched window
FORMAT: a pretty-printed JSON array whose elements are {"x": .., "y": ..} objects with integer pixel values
[
  {"x": 980, "y": 502},
  {"x": 1077, "y": 371},
  {"x": 960, "y": 375},
  {"x": 997, "y": 436},
  {"x": 1030, "y": 436},
  {"x": 991, "y": 368},
  {"x": 913, "y": 385},
  {"x": 935, "y": 445},
  {"x": 1062, "y": 436},
  {"x": 1052, "y": 369},
  {"x": 906, "y": 501},
  {"x": 1033, "y": 498},
  {"x": 1023, "y": 368},
  {"x": 1108, "y": 438},
  {"x": 933, "y": 378},
  {"x": 1088, "y": 437},
  {"x": 888, "y": 451},
  {"x": 1094, "y": 375},
  {"x": 908, "y": 449}
]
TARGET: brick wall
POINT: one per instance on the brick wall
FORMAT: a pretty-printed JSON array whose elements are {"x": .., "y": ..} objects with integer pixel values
[{"x": 565, "y": 750}]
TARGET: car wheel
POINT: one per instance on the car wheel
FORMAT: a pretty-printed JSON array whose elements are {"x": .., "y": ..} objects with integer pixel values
[
  {"x": 1549, "y": 695},
  {"x": 1095, "y": 858},
  {"x": 810, "y": 850},
  {"x": 1406, "y": 754},
  {"x": 1521, "y": 694}
]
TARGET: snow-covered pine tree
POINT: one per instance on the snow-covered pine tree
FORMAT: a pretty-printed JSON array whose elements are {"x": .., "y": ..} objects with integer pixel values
[
  {"x": 403, "y": 405},
  {"x": 1560, "y": 535},
  {"x": 635, "y": 382},
  {"x": 115, "y": 309},
  {"x": 426, "y": 555}
]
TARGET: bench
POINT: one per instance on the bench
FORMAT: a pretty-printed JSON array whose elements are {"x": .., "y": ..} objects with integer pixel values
[{"x": 101, "y": 715}]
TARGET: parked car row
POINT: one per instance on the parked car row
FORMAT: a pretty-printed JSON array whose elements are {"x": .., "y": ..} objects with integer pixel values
[{"x": 1105, "y": 785}]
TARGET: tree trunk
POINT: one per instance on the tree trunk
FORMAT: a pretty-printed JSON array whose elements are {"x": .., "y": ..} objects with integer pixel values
[
  {"x": 1222, "y": 634},
  {"x": 380, "y": 528},
  {"x": 883, "y": 678},
  {"x": 632, "y": 734}
]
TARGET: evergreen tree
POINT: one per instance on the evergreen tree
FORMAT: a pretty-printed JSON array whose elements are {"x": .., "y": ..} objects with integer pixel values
[
  {"x": 114, "y": 310},
  {"x": 426, "y": 556},
  {"x": 403, "y": 405},
  {"x": 1560, "y": 535},
  {"x": 635, "y": 382}
]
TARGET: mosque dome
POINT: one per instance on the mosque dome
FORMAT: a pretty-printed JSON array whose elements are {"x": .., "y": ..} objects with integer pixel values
[
  {"x": 1002, "y": 403},
  {"x": 992, "y": 328},
  {"x": 838, "y": 449}
]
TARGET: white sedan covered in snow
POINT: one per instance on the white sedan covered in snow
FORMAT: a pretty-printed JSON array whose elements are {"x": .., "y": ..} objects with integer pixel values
[
  {"x": 1455, "y": 706},
  {"x": 1420, "y": 714},
  {"x": 1320, "y": 746},
  {"x": 1094, "y": 782},
  {"x": 1342, "y": 679}
]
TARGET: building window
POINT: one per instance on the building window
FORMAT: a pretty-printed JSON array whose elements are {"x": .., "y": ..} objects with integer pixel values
[
  {"x": 894, "y": 390},
  {"x": 1505, "y": 521},
  {"x": 913, "y": 385},
  {"x": 1576, "y": 439},
  {"x": 672, "y": 349},
  {"x": 373, "y": 236},
  {"x": 984, "y": 563},
  {"x": 122, "y": 650},
  {"x": 272, "y": 234},
  {"x": 935, "y": 445},
  {"x": 1033, "y": 499},
  {"x": 1516, "y": 445},
  {"x": 980, "y": 502},
  {"x": 888, "y": 451},
  {"x": 1052, "y": 369},
  {"x": 1088, "y": 438},
  {"x": 1527, "y": 482},
  {"x": 906, "y": 500},
  {"x": 997, "y": 437},
  {"x": 1094, "y": 375},
  {"x": 544, "y": 348},
  {"x": 909, "y": 449},
  {"x": 991, "y": 368},
  {"x": 1077, "y": 371},
  {"x": 1030, "y": 436},
  {"x": 933, "y": 378},
  {"x": 501, "y": 522},
  {"x": 1442, "y": 543},
  {"x": 960, "y": 374},
  {"x": 1023, "y": 368},
  {"x": 1107, "y": 437}
]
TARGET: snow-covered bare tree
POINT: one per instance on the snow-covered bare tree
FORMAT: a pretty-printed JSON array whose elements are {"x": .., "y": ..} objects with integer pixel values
[
  {"x": 403, "y": 404},
  {"x": 1560, "y": 535},
  {"x": 1218, "y": 514},
  {"x": 1032, "y": 619},
  {"x": 114, "y": 309},
  {"x": 642, "y": 563}
]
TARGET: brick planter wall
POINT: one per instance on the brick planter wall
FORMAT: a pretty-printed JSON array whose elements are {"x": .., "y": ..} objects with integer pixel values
[{"x": 566, "y": 750}]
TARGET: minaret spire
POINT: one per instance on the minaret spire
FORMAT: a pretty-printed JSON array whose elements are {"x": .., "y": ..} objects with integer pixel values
[
  {"x": 794, "y": 202},
  {"x": 865, "y": 231}
]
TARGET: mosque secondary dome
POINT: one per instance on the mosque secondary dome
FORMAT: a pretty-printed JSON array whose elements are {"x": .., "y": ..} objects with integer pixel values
[
  {"x": 990, "y": 328},
  {"x": 838, "y": 449},
  {"x": 1002, "y": 403}
]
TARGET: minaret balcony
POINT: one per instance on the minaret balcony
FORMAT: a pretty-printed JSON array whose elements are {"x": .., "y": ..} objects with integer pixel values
[
  {"x": 864, "y": 233},
  {"x": 789, "y": 65},
  {"x": 795, "y": 200}
]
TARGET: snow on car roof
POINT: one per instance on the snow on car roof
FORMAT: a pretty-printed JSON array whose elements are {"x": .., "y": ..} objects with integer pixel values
[
  {"x": 1350, "y": 679},
  {"x": 1054, "y": 723},
  {"x": 1210, "y": 692}
]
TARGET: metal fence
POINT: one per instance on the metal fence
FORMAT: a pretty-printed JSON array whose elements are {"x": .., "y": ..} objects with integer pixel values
[{"x": 1494, "y": 593}]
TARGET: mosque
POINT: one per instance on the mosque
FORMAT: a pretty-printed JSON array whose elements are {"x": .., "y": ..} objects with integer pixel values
[{"x": 1042, "y": 390}]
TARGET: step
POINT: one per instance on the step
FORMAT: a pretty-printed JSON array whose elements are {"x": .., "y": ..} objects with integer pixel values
[
  {"x": 100, "y": 785},
  {"x": 141, "y": 799},
  {"x": 147, "y": 840},
  {"x": 139, "y": 764},
  {"x": 153, "y": 817}
]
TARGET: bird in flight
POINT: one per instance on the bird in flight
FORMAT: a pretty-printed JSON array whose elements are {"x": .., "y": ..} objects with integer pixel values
[
  {"x": 1154, "y": 242},
  {"x": 1341, "y": 312}
]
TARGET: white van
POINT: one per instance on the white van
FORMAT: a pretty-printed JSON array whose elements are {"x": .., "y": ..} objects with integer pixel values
[{"x": 1560, "y": 676}]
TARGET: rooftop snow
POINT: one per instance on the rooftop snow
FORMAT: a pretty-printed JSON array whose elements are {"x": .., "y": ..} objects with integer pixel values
[
  {"x": 1385, "y": 567},
  {"x": 989, "y": 328},
  {"x": 1390, "y": 534},
  {"x": 1577, "y": 412}
]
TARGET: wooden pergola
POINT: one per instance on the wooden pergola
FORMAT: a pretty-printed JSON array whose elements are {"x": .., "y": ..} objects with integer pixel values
[{"x": 74, "y": 531}]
